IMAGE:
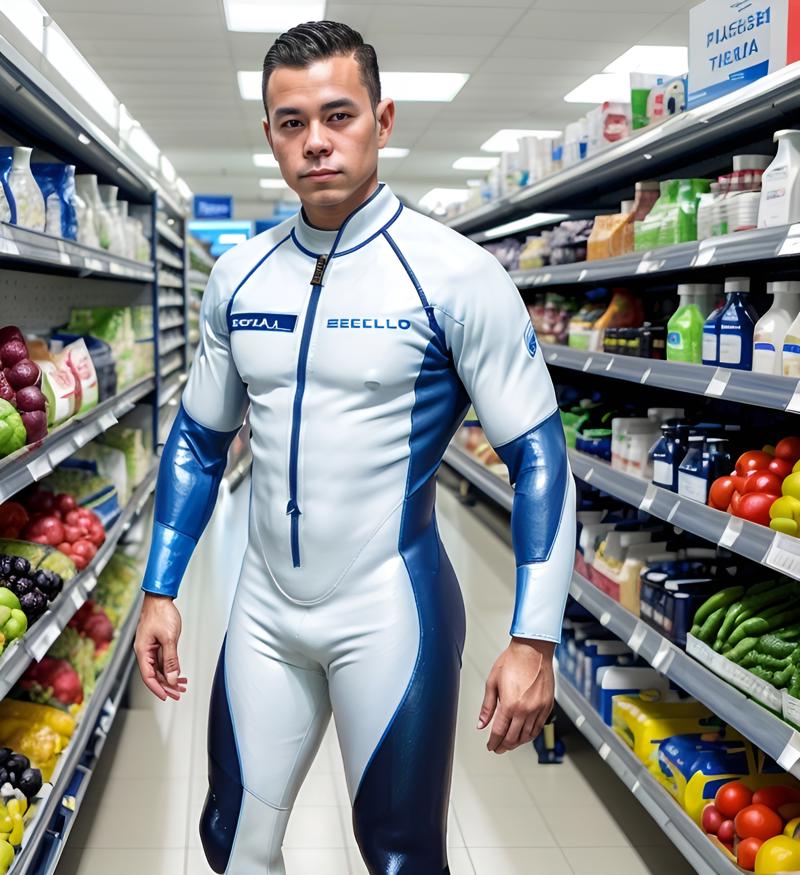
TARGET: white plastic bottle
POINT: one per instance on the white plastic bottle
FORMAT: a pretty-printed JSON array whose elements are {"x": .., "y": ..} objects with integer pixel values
[
  {"x": 780, "y": 184},
  {"x": 772, "y": 327}
]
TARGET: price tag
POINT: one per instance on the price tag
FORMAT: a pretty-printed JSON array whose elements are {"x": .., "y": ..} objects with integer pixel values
[
  {"x": 552, "y": 357},
  {"x": 8, "y": 246},
  {"x": 81, "y": 438},
  {"x": 790, "y": 755},
  {"x": 587, "y": 364},
  {"x": 790, "y": 246},
  {"x": 41, "y": 644},
  {"x": 646, "y": 376},
  {"x": 106, "y": 421},
  {"x": 732, "y": 532},
  {"x": 610, "y": 364},
  {"x": 546, "y": 278},
  {"x": 794, "y": 402},
  {"x": 718, "y": 382},
  {"x": 637, "y": 638},
  {"x": 39, "y": 467},
  {"x": 60, "y": 452},
  {"x": 664, "y": 657},
  {"x": 784, "y": 555},
  {"x": 93, "y": 264},
  {"x": 673, "y": 511},
  {"x": 704, "y": 256},
  {"x": 115, "y": 268},
  {"x": 582, "y": 275},
  {"x": 89, "y": 582},
  {"x": 580, "y": 720},
  {"x": 604, "y": 750},
  {"x": 649, "y": 497},
  {"x": 588, "y": 475},
  {"x": 605, "y": 618},
  {"x": 636, "y": 787}
]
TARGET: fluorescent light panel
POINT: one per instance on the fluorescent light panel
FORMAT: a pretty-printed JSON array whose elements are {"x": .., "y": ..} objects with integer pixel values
[
  {"x": 249, "y": 84},
  {"x": 28, "y": 17},
  {"x": 264, "y": 159},
  {"x": 422, "y": 86},
  {"x": 140, "y": 141},
  {"x": 272, "y": 183},
  {"x": 535, "y": 220},
  {"x": 439, "y": 198},
  {"x": 506, "y": 140},
  {"x": 602, "y": 87},
  {"x": 393, "y": 152},
  {"x": 476, "y": 162},
  {"x": 669, "y": 60},
  {"x": 270, "y": 16}
]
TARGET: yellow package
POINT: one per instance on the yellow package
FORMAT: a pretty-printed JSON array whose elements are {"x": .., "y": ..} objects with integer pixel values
[{"x": 610, "y": 236}]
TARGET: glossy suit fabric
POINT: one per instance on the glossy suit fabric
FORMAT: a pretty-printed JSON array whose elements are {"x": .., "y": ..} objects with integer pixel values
[{"x": 357, "y": 352}]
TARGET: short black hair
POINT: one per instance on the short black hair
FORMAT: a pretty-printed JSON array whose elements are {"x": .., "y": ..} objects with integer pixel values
[{"x": 316, "y": 41}]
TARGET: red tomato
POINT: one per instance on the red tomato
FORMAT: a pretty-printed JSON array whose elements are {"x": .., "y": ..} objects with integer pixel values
[
  {"x": 65, "y": 548},
  {"x": 755, "y": 507},
  {"x": 97, "y": 534},
  {"x": 65, "y": 502},
  {"x": 753, "y": 460},
  {"x": 711, "y": 819},
  {"x": 781, "y": 467},
  {"x": 84, "y": 548},
  {"x": 726, "y": 832},
  {"x": 73, "y": 518},
  {"x": 736, "y": 500},
  {"x": 775, "y": 796},
  {"x": 72, "y": 534},
  {"x": 721, "y": 492},
  {"x": 758, "y": 821},
  {"x": 789, "y": 449},
  {"x": 746, "y": 853},
  {"x": 731, "y": 798},
  {"x": 763, "y": 481},
  {"x": 80, "y": 561}
]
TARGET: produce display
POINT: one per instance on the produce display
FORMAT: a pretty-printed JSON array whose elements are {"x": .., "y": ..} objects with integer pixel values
[{"x": 23, "y": 405}]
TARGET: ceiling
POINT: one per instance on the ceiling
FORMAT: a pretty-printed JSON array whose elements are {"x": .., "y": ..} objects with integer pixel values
[{"x": 173, "y": 63}]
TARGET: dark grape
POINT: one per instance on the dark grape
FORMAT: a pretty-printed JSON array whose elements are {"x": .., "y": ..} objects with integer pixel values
[
  {"x": 20, "y": 566},
  {"x": 24, "y": 586},
  {"x": 5, "y": 753},
  {"x": 30, "y": 782},
  {"x": 5, "y": 565},
  {"x": 17, "y": 763}
]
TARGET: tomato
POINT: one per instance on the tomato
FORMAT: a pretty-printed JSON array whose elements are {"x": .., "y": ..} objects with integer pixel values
[
  {"x": 97, "y": 534},
  {"x": 80, "y": 561},
  {"x": 754, "y": 460},
  {"x": 721, "y": 492},
  {"x": 732, "y": 797},
  {"x": 84, "y": 548},
  {"x": 789, "y": 449},
  {"x": 763, "y": 481},
  {"x": 736, "y": 500},
  {"x": 759, "y": 822},
  {"x": 65, "y": 548},
  {"x": 781, "y": 467},
  {"x": 66, "y": 502},
  {"x": 746, "y": 853},
  {"x": 755, "y": 507},
  {"x": 775, "y": 796},
  {"x": 711, "y": 819},
  {"x": 72, "y": 534},
  {"x": 726, "y": 832}
]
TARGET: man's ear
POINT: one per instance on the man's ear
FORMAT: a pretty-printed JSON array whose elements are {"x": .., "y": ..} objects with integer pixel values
[
  {"x": 267, "y": 130},
  {"x": 385, "y": 115}
]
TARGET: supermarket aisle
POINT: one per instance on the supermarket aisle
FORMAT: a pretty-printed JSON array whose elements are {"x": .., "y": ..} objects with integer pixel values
[{"x": 509, "y": 815}]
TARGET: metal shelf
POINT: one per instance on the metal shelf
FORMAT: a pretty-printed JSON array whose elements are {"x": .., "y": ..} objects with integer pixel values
[
  {"x": 682, "y": 831},
  {"x": 168, "y": 369},
  {"x": 167, "y": 281},
  {"x": 165, "y": 232},
  {"x": 679, "y": 143},
  {"x": 21, "y": 246},
  {"x": 167, "y": 326},
  {"x": 170, "y": 299},
  {"x": 170, "y": 388},
  {"x": 479, "y": 475},
  {"x": 745, "y": 387},
  {"x": 31, "y": 463},
  {"x": 762, "y": 727},
  {"x": 113, "y": 679},
  {"x": 748, "y": 539},
  {"x": 167, "y": 258},
  {"x": 746, "y": 247},
  {"x": 171, "y": 347},
  {"x": 35, "y": 643}
]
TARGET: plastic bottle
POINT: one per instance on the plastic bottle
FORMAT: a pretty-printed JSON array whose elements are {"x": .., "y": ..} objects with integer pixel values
[
  {"x": 744, "y": 191},
  {"x": 685, "y": 328},
  {"x": 711, "y": 336},
  {"x": 26, "y": 192},
  {"x": 791, "y": 350},
  {"x": 692, "y": 479},
  {"x": 705, "y": 212},
  {"x": 623, "y": 311},
  {"x": 773, "y": 326},
  {"x": 780, "y": 184},
  {"x": 737, "y": 322},
  {"x": 667, "y": 454}
]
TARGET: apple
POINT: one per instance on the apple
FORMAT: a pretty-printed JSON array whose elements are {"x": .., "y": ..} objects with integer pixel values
[{"x": 726, "y": 832}]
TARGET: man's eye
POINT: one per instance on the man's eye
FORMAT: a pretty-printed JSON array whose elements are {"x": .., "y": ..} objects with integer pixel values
[
  {"x": 339, "y": 116},
  {"x": 293, "y": 122}
]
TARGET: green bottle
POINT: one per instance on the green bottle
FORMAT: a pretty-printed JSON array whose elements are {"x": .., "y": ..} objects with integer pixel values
[{"x": 685, "y": 328}]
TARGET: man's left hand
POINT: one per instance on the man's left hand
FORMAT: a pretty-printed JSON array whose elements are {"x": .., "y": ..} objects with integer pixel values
[{"x": 520, "y": 692}]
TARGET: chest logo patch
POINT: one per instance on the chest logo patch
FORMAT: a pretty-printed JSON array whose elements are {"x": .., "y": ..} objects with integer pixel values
[
  {"x": 373, "y": 323},
  {"x": 530, "y": 340},
  {"x": 263, "y": 322}
]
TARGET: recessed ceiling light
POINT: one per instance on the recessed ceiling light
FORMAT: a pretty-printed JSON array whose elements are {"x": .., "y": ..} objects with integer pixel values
[
  {"x": 476, "y": 162},
  {"x": 422, "y": 86},
  {"x": 393, "y": 152},
  {"x": 533, "y": 221},
  {"x": 506, "y": 140},
  {"x": 602, "y": 87},
  {"x": 271, "y": 16},
  {"x": 249, "y": 84},
  {"x": 28, "y": 17},
  {"x": 141, "y": 142},
  {"x": 438, "y": 199},
  {"x": 669, "y": 60},
  {"x": 272, "y": 183},
  {"x": 264, "y": 159}
]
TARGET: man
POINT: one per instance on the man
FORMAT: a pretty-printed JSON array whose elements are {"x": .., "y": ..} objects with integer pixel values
[{"x": 355, "y": 332}]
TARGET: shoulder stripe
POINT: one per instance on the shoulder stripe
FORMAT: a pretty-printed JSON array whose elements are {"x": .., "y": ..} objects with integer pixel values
[{"x": 249, "y": 274}]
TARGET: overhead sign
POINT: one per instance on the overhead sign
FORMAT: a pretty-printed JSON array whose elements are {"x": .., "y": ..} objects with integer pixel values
[{"x": 213, "y": 206}]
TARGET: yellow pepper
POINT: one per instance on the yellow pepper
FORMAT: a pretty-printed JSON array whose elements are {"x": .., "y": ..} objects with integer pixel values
[
  {"x": 17, "y": 830},
  {"x": 778, "y": 854},
  {"x": 31, "y": 712},
  {"x": 5, "y": 820},
  {"x": 17, "y": 806},
  {"x": 791, "y": 828},
  {"x": 6, "y": 856}
]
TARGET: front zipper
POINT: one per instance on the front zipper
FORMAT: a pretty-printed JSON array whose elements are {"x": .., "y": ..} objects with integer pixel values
[{"x": 302, "y": 363}]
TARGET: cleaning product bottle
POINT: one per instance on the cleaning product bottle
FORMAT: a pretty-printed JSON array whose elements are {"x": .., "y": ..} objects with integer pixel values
[
  {"x": 711, "y": 336},
  {"x": 705, "y": 212},
  {"x": 685, "y": 329},
  {"x": 780, "y": 184},
  {"x": 624, "y": 311},
  {"x": 667, "y": 454},
  {"x": 791, "y": 350},
  {"x": 737, "y": 323},
  {"x": 772, "y": 327}
]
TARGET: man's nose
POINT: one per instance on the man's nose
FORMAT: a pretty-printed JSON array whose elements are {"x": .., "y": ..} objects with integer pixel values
[{"x": 317, "y": 142}]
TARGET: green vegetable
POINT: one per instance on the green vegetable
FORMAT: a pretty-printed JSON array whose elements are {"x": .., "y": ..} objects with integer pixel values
[
  {"x": 722, "y": 599},
  {"x": 709, "y": 629},
  {"x": 783, "y": 678},
  {"x": 761, "y": 601},
  {"x": 727, "y": 627},
  {"x": 754, "y": 626},
  {"x": 784, "y": 619},
  {"x": 750, "y": 659},
  {"x": 794, "y": 685},
  {"x": 763, "y": 586},
  {"x": 763, "y": 673},
  {"x": 772, "y": 662},
  {"x": 16, "y": 626},
  {"x": 775, "y": 646},
  {"x": 12, "y": 429},
  {"x": 790, "y": 633},
  {"x": 741, "y": 650},
  {"x": 694, "y": 630}
]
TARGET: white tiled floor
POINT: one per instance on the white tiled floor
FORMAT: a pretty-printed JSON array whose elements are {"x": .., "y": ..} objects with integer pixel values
[{"x": 508, "y": 815}]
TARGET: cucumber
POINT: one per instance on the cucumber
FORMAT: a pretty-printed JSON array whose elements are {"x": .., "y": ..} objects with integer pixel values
[
  {"x": 708, "y": 631},
  {"x": 754, "y": 626},
  {"x": 774, "y": 646},
  {"x": 722, "y": 599},
  {"x": 772, "y": 662},
  {"x": 783, "y": 678},
  {"x": 727, "y": 626},
  {"x": 745, "y": 646},
  {"x": 749, "y": 660},
  {"x": 763, "y": 673},
  {"x": 794, "y": 684}
]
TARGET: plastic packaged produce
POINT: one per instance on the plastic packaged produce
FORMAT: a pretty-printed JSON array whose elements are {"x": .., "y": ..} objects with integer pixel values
[
  {"x": 57, "y": 183},
  {"x": 580, "y": 325},
  {"x": 86, "y": 186},
  {"x": 569, "y": 240},
  {"x": 7, "y": 207},
  {"x": 23, "y": 194},
  {"x": 555, "y": 319},
  {"x": 780, "y": 194},
  {"x": 117, "y": 243},
  {"x": 132, "y": 443},
  {"x": 535, "y": 253},
  {"x": 609, "y": 235},
  {"x": 685, "y": 328},
  {"x": 624, "y": 311},
  {"x": 114, "y": 325},
  {"x": 772, "y": 328}
]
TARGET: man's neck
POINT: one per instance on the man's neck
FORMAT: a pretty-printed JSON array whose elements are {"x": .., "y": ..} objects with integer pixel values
[{"x": 331, "y": 218}]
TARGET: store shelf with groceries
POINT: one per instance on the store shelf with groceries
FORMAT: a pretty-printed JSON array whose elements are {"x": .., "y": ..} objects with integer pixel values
[{"x": 169, "y": 235}]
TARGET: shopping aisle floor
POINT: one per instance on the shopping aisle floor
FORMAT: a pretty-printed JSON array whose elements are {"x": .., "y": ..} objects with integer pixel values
[{"x": 508, "y": 814}]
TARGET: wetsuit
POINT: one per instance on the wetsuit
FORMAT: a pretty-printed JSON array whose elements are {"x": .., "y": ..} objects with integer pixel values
[{"x": 356, "y": 351}]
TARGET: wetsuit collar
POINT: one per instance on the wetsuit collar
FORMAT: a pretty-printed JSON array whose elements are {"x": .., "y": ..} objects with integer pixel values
[{"x": 367, "y": 220}]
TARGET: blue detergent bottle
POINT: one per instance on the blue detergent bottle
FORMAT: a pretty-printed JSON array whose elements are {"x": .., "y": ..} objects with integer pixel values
[
  {"x": 710, "y": 349},
  {"x": 737, "y": 323}
]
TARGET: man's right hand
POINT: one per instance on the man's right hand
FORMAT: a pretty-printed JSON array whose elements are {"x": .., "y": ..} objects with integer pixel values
[{"x": 156, "y": 647}]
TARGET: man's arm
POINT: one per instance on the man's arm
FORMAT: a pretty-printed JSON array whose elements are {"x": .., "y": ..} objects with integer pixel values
[
  {"x": 497, "y": 357},
  {"x": 189, "y": 475}
]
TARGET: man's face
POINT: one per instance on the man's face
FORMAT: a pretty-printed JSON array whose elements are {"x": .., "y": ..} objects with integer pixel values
[{"x": 323, "y": 131}]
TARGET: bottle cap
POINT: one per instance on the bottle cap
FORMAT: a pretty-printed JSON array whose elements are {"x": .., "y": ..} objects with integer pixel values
[
  {"x": 737, "y": 284},
  {"x": 751, "y": 162},
  {"x": 792, "y": 286}
]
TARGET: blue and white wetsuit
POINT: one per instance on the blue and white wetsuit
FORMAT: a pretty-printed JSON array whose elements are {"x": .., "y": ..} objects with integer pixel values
[{"x": 356, "y": 351}]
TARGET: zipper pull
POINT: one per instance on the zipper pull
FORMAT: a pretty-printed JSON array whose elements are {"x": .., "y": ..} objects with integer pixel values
[
  {"x": 319, "y": 270},
  {"x": 292, "y": 508}
]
